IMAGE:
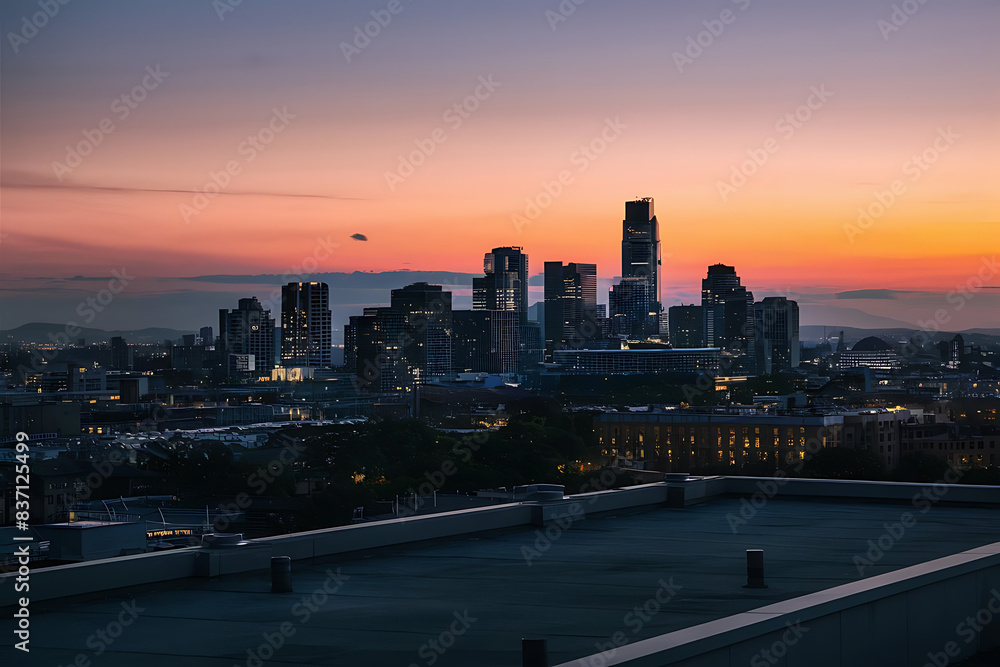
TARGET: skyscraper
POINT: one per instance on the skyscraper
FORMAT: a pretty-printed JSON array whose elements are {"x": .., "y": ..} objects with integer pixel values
[
  {"x": 776, "y": 325},
  {"x": 426, "y": 311},
  {"x": 306, "y": 325},
  {"x": 728, "y": 309},
  {"x": 121, "y": 354},
  {"x": 641, "y": 247},
  {"x": 486, "y": 341},
  {"x": 376, "y": 354},
  {"x": 570, "y": 306},
  {"x": 505, "y": 285},
  {"x": 247, "y": 338}
]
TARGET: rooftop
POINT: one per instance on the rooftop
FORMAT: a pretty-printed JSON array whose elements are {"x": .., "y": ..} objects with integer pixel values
[{"x": 576, "y": 592}]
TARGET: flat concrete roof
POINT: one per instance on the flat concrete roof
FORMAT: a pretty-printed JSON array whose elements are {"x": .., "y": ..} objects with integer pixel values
[{"x": 577, "y": 593}]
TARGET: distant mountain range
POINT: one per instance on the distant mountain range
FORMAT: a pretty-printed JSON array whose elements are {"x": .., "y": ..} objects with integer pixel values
[
  {"x": 43, "y": 332},
  {"x": 894, "y": 334}
]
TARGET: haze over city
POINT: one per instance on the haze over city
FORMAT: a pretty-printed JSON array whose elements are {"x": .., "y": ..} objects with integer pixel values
[{"x": 831, "y": 107}]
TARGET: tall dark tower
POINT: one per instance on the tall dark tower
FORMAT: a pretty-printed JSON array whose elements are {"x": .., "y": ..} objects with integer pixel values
[
  {"x": 728, "y": 309},
  {"x": 247, "y": 332},
  {"x": 641, "y": 246},
  {"x": 570, "y": 306},
  {"x": 306, "y": 325},
  {"x": 505, "y": 285}
]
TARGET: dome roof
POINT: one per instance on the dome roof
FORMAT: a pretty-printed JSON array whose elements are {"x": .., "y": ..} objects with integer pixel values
[{"x": 871, "y": 344}]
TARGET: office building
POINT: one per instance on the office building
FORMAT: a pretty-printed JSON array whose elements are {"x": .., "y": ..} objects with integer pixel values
[
  {"x": 505, "y": 285},
  {"x": 776, "y": 333},
  {"x": 486, "y": 341},
  {"x": 373, "y": 345},
  {"x": 390, "y": 350},
  {"x": 641, "y": 247},
  {"x": 687, "y": 326},
  {"x": 636, "y": 361},
  {"x": 121, "y": 354},
  {"x": 426, "y": 310},
  {"x": 727, "y": 307},
  {"x": 306, "y": 325},
  {"x": 570, "y": 306},
  {"x": 633, "y": 309},
  {"x": 246, "y": 336}
]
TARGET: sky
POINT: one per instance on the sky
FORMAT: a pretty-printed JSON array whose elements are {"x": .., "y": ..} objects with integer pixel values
[{"x": 841, "y": 153}]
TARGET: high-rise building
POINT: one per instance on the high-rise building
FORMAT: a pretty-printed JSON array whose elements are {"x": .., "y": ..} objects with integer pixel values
[
  {"x": 570, "y": 306},
  {"x": 426, "y": 310},
  {"x": 246, "y": 336},
  {"x": 206, "y": 336},
  {"x": 728, "y": 310},
  {"x": 121, "y": 354},
  {"x": 632, "y": 314},
  {"x": 306, "y": 325},
  {"x": 486, "y": 341},
  {"x": 373, "y": 350},
  {"x": 391, "y": 349},
  {"x": 505, "y": 285},
  {"x": 687, "y": 327},
  {"x": 641, "y": 247},
  {"x": 776, "y": 327}
]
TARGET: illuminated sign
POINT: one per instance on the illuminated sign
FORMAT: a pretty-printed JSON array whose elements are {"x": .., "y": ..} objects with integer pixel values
[{"x": 172, "y": 532}]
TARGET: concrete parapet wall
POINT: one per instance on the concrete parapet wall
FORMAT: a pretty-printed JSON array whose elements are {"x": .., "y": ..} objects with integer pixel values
[
  {"x": 924, "y": 614},
  {"x": 122, "y": 572}
]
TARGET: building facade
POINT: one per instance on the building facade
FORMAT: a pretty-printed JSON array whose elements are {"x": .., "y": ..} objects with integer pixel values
[
  {"x": 570, "y": 306},
  {"x": 675, "y": 440},
  {"x": 686, "y": 326},
  {"x": 776, "y": 333},
  {"x": 632, "y": 362},
  {"x": 306, "y": 325},
  {"x": 505, "y": 285},
  {"x": 641, "y": 246},
  {"x": 246, "y": 336}
]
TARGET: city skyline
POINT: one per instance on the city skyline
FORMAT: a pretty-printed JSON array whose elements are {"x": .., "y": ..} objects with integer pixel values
[{"x": 820, "y": 144}]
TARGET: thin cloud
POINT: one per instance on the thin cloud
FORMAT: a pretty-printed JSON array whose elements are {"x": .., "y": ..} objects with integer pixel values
[{"x": 23, "y": 180}]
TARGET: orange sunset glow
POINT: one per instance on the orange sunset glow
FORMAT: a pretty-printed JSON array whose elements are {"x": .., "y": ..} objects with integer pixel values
[{"x": 760, "y": 153}]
